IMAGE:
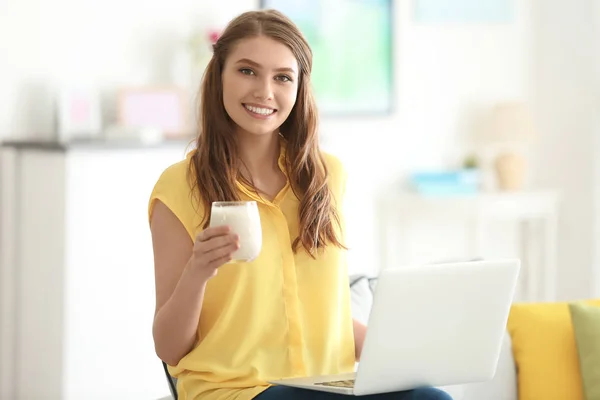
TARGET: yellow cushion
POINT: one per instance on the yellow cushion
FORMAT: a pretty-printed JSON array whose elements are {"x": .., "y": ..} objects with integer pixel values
[{"x": 545, "y": 352}]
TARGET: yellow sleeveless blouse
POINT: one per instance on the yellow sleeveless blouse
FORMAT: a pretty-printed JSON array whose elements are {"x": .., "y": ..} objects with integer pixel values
[{"x": 281, "y": 315}]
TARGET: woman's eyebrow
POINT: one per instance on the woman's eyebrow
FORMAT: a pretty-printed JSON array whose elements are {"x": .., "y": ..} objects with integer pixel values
[{"x": 257, "y": 65}]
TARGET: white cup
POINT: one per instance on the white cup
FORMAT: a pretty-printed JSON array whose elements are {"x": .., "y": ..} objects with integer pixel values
[{"x": 244, "y": 220}]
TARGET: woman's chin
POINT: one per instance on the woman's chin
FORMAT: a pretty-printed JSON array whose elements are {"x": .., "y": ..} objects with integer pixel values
[{"x": 257, "y": 131}]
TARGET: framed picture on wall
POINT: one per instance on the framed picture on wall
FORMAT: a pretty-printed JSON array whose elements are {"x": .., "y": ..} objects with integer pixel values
[
  {"x": 463, "y": 11},
  {"x": 162, "y": 108},
  {"x": 352, "y": 44}
]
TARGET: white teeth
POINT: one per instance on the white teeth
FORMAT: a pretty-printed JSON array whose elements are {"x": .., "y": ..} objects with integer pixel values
[{"x": 261, "y": 111}]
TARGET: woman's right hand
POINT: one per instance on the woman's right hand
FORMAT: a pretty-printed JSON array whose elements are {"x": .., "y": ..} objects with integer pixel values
[{"x": 213, "y": 247}]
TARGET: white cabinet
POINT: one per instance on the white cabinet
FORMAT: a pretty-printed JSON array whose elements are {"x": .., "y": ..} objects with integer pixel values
[{"x": 77, "y": 277}]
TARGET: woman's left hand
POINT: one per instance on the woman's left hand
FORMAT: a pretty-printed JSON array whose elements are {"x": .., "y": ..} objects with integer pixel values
[{"x": 360, "y": 331}]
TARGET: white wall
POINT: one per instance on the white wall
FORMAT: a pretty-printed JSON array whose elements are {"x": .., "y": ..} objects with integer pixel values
[
  {"x": 596, "y": 134},
  {"x": 566, "y": 102}
]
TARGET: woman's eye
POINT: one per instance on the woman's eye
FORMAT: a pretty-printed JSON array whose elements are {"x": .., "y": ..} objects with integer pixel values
[
  {"x": 284, "y": 78},
  {"x": 247, "y": 71}
]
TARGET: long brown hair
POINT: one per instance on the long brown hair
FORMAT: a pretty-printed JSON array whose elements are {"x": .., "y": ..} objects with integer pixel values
[{"x": 215, "y": 165}]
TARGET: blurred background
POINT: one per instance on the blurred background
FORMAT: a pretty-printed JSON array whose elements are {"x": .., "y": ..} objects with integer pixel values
[{"x": 469, "y": 129}]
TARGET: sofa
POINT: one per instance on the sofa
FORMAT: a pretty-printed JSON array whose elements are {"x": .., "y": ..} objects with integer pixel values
[{"x": 502, "y": 387}]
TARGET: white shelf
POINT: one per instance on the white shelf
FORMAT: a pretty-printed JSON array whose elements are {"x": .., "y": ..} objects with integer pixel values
[{"x": 399, "y": 212}]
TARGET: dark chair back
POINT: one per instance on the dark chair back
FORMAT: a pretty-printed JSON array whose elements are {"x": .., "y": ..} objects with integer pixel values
[{"x": 172, "y": 382}]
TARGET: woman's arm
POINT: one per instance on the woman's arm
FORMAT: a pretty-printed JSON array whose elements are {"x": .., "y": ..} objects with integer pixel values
[
  {"x": 179, "y": 289},
  {"x": 182, "y": 270},
  {"x": 360, "y": 331}
]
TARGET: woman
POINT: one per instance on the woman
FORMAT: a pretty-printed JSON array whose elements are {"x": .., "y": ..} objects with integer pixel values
[{"x": 225, "y": 329}]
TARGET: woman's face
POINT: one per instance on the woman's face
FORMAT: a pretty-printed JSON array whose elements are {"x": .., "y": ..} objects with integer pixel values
[{"x": 260, "y": 84}]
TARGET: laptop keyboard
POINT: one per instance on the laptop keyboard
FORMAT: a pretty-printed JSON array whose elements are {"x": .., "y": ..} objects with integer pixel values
[{"x": 348, "y": 383}]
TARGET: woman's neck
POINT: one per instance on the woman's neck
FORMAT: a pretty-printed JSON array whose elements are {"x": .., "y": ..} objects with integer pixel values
[{"x": 259, "y": 153}]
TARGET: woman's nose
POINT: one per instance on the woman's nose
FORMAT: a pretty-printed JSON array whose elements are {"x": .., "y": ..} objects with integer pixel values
[{"x": 263, "y": 89}]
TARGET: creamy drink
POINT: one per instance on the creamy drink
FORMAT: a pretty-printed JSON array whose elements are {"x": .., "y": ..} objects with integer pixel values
[{"x": 244, "y": 220}]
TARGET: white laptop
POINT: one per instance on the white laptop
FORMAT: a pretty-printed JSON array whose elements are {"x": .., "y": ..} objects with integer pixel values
[{"x": 430, "y": 325}]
